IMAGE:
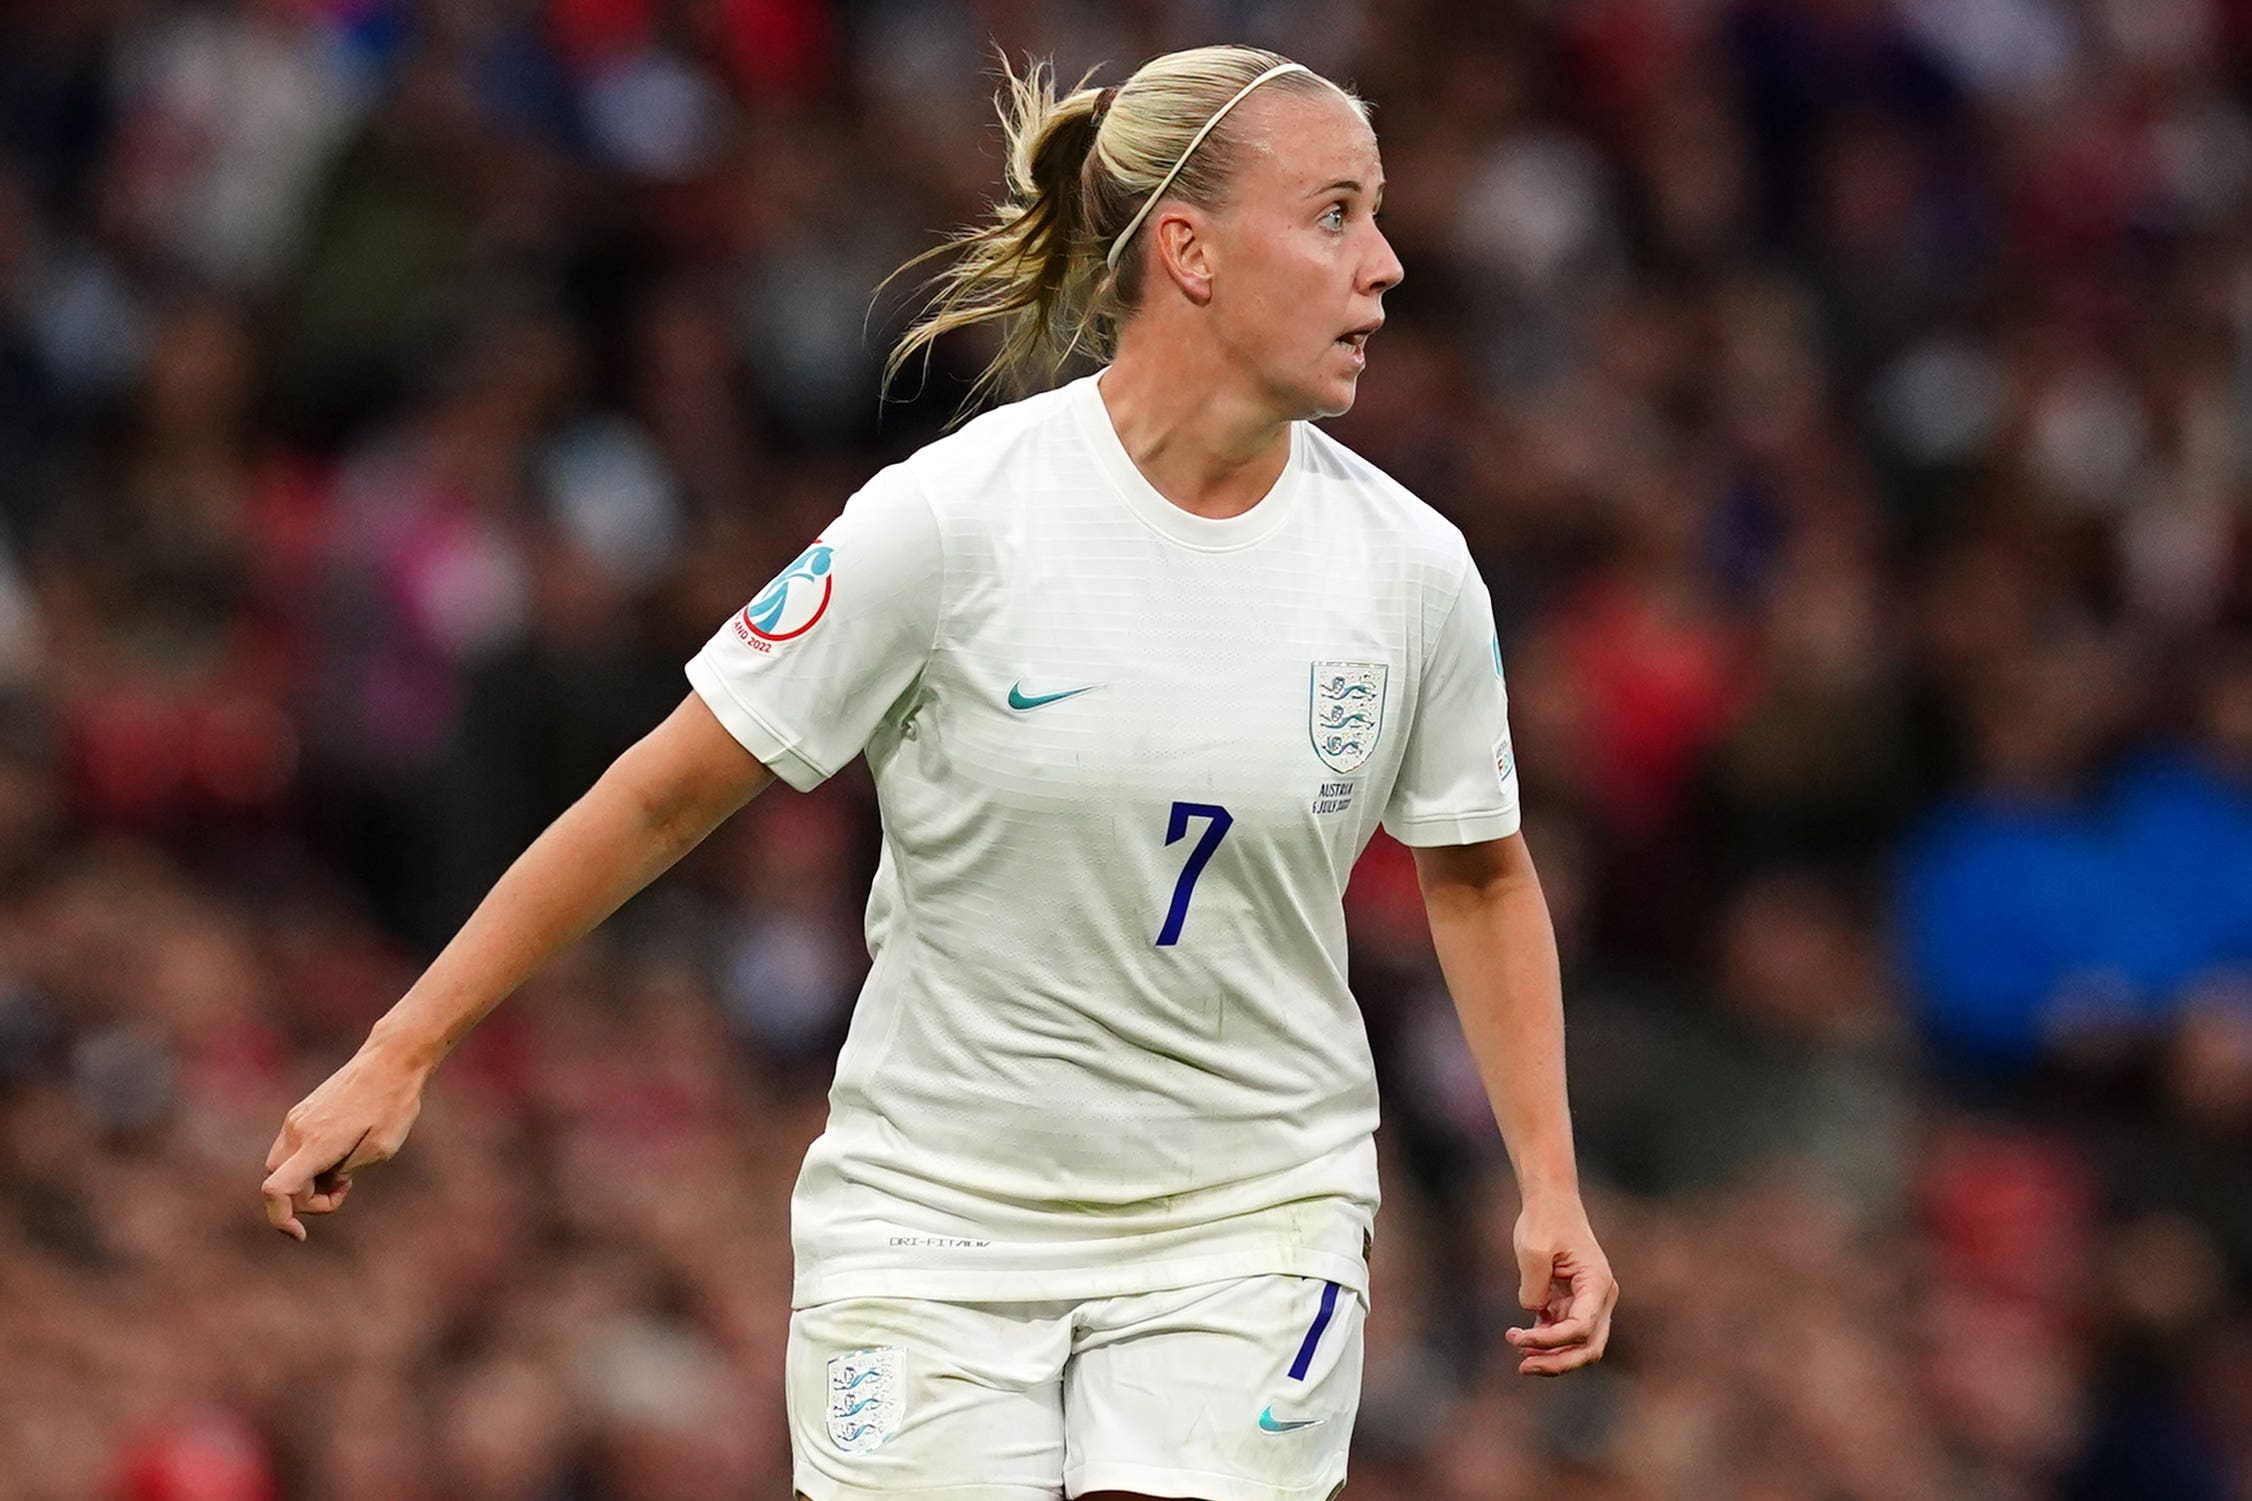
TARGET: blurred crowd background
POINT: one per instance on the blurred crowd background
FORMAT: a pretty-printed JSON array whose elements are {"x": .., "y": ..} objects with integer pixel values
[{"x": 1850, "y": 402}]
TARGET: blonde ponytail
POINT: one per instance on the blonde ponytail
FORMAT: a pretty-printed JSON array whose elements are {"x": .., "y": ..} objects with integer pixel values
[{"x": 1078, "y": 173}]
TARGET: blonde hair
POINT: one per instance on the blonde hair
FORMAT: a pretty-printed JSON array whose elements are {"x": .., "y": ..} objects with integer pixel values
[{"x": 1078, "y": 175}]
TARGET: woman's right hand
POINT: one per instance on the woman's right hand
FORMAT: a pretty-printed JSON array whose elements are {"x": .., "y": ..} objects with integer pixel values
[{"x": 358, "y": 1117}]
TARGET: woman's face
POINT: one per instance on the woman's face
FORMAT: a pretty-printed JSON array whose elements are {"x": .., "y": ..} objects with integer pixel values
[{"x": 1298, "y": 266}]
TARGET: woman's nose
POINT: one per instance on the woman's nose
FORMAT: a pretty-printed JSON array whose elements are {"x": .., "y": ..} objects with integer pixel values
[{"x": 1385, "y": 271}]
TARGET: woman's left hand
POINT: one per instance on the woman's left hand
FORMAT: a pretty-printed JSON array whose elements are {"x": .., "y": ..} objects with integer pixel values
[{"x": 1565, "y": 1279}]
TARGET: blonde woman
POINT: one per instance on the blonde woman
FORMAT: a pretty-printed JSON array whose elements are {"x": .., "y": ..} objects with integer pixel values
[{"x": 1140, "y": 664}]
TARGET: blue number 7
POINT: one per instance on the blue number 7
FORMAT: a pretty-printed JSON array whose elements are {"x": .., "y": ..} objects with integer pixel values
[{"x": 1198, "y": 857}]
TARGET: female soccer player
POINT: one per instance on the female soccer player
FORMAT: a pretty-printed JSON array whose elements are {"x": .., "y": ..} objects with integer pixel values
[{"x": 1139, "y": 664}]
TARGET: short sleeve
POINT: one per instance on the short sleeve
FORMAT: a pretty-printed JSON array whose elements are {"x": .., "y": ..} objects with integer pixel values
[
  {"x": 804, "y": 673},
  {"x": 1458, "y": 780}
]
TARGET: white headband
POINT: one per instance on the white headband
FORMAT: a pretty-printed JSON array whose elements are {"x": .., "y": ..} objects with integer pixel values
[{"x": 1118, "y": 245}]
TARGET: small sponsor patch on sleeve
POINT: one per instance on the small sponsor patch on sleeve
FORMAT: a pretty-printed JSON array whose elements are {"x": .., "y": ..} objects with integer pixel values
[{"x": 792, "y": 602}]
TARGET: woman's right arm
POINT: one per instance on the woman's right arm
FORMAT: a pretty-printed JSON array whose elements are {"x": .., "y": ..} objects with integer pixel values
[{"x": 654, "y": 804}]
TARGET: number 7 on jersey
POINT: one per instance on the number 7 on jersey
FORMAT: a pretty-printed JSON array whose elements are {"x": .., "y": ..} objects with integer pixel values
[{"x": 1214, "y": 832}]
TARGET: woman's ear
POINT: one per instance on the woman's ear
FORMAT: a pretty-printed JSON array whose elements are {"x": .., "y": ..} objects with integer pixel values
[{"x": 1183, "y": 251}]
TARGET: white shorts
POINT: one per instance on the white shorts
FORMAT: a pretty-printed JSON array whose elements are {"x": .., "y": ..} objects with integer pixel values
[{"x": 1228, "y": 1391}]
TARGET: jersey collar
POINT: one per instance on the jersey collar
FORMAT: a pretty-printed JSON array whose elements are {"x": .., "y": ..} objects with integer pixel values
[{"x": 1206, "y": 533}]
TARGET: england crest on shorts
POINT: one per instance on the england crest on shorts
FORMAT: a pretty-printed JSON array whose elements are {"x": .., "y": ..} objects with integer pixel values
[
  {"x": 867, "y": 1394},
  {"x": 1345, "y": 712}
]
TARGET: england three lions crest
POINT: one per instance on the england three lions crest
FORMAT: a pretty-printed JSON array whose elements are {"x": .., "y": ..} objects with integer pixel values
[
  {"x": 867, "y": 1397},
  {"x": 1345, "y": 712}
]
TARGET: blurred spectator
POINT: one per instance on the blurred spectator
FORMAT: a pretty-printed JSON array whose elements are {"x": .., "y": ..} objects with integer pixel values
[{"x": 1799, "y": 1064}]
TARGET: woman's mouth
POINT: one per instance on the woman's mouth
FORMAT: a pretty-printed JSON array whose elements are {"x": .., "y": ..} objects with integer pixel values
[{"x": 1355, "y": 341}]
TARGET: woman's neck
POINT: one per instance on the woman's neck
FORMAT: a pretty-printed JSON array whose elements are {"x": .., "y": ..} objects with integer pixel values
[{"x": 1200, "y": 441}]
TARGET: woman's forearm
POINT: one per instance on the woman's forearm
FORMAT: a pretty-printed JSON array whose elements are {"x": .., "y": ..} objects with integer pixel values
[
  {"x": 652, "y": 806},
  {"x": 1498, "y": 952}
]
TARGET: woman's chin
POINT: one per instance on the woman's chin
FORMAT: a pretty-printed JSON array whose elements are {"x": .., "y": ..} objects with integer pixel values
[
  {"x": 1318, "y": 394},
  {"x": 1335, "y": 398}
]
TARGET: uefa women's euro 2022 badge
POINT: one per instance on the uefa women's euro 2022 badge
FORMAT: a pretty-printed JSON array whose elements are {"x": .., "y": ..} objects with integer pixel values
[
  {"x": 789, "y": 605},
  {"x": 1345, "y": 712},
  {"x": 866, "y": 1397}
]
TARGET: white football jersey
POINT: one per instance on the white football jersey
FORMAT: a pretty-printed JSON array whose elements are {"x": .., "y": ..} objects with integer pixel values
[{"x": 1126, "y": 757}]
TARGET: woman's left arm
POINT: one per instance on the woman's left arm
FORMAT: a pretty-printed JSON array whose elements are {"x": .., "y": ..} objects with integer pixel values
[{"x": 1489, "y": 923}]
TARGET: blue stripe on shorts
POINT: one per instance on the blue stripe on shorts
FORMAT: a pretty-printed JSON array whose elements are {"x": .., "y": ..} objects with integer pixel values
[{"x": 1305, "y": 1358}]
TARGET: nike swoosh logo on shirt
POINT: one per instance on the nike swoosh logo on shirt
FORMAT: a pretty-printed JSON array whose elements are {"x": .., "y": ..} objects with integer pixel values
[
  {"x": 1018, "y": 700},
  {"x": 1269, "y": 1423}
]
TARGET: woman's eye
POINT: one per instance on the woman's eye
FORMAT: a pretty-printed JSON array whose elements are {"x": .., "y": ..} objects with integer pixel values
[{"x": 1334, "y": 216}]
